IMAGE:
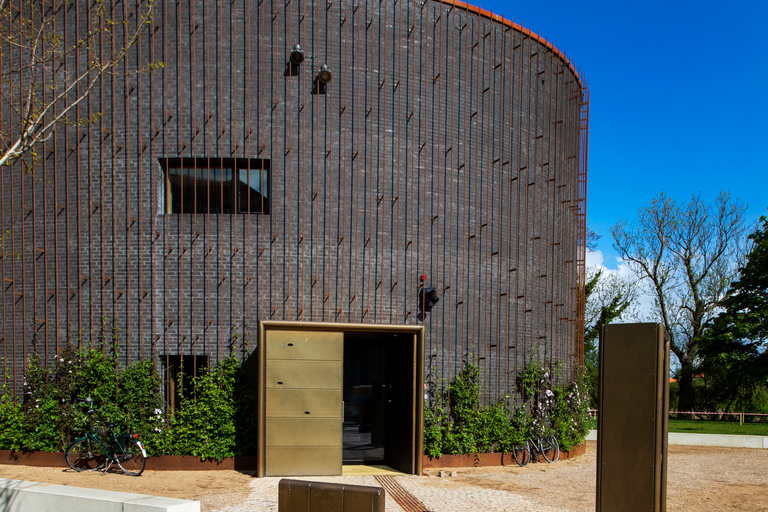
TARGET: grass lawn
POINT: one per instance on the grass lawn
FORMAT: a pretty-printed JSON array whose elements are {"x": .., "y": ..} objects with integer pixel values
[
  {"x": 711, "y": 427},
  {"x": 718, "y": 427}
]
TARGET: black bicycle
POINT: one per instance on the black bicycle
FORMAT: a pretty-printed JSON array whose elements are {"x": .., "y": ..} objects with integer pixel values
[
  {"x": 547, "y": 447},
  {"x": 100, "y": 451}
]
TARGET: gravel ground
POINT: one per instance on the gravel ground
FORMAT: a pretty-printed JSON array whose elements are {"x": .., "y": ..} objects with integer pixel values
[{"x": 699, "y": 479}]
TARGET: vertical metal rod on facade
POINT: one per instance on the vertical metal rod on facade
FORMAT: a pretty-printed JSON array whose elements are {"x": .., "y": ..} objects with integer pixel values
[
  {"x": 77, "y": 192},
  {"x": 288, "y": 241},
  {"x": 234, "y": 145},
  {"x": 166, "y": 222},
  {"x": 549, "y": 326},
  {"x": 450, "y": 169},
  {"x": 260, "y": 105},
  {"x": 90, "y": 206},
  {"x": 381, "y": 194},
  {"x": 342, "y": 155},
  {"x": 34, "y": 245},
  {"x": 370, "y": 205},
  {"x": 317, "y": 283},
  {"x": 537, "y": 221},
  {"x": 545, "y": 213},
  {"x": 193, "y": 127},
  {"x": 139, "y": 180},
  {"x": 56, "y": 302},
  {"x": 557, "y": 223},
  {"x": 126, "y": 146},
  {"x": 498, "y": 69},
  {"x": 463, "y": 172},
  {"x": 398, "y": 120},
  {"x": 506, "y": 181},
  {"x": 220, "y": 125},
  {"x": 326, "y": 159},
  {"x": 102, "y": 197},
  {"x": 527, "y": 269},
  {"x": 179, "y": 236},
  {"x": 4, "y": 251},
  {"x": 437, "y": 170},
  {"x": 356, "y": 166},
  {"x": 476, "y": 182},
  {"x": 302, "y": 162},
  {"x": 485, "y": 129},
  {"x": 153, "y": 245}
]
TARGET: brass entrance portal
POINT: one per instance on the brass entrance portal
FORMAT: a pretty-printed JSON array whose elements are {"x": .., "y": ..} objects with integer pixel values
[{"x": 339, "y": 393}]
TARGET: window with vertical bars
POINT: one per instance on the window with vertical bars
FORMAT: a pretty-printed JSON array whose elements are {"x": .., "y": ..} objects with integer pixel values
[{"x": 216, "y": 185}]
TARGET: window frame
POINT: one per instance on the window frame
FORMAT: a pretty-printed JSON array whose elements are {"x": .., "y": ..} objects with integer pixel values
[{"x": 235, "y": 166}]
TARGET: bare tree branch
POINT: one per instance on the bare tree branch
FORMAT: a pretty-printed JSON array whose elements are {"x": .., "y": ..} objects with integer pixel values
[
  {"x": 35, "y": 55},
  {"x": 688, "y": 254}
]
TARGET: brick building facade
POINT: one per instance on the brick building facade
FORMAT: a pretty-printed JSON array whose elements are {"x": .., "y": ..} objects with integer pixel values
[{"x": 228, "y": 186}]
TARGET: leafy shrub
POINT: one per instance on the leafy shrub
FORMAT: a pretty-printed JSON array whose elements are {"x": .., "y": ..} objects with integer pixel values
[
  {"x": 570, "y": 418},
  {"x": 12, "y": 435},
  {"x": 216, "y": 420},
  {"x": 455, "y": 423}
]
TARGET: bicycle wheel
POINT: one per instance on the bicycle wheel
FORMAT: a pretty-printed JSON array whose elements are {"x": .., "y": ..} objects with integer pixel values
[
  {"x": 522, "y": 454},
  {"x": 84, "y": 455},
  {"x": 130, "y": 458},
  {"x": 550, "y": 448}
]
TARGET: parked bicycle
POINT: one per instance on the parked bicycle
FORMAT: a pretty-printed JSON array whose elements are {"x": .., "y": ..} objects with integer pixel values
[
  {"x": 94, "y": 452},
  {"x": 547, "y": 447}
]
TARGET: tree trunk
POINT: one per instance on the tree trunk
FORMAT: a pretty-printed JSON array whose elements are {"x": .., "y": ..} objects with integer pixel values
[{"x": 686, "y": 395}]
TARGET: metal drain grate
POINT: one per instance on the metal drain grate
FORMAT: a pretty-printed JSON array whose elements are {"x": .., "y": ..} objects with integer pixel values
[{"x": 407, "y": 501}]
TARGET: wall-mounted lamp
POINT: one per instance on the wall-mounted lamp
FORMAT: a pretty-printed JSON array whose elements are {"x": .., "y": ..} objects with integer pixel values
[
  {"x": 427, "y": 298},
  {"x": 297, "y": 55},
  {"x": 324, "y": 75}
]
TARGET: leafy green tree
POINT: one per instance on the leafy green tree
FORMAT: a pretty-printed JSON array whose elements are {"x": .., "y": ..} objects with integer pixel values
[
  {"x": 688, "y": 254},
  {"x": 734, "y": 347},
  {"x": 607, "y": 298}
]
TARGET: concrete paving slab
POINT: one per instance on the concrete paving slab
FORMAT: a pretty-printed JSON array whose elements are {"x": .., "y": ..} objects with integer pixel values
[{"x": 19, "y": 496}]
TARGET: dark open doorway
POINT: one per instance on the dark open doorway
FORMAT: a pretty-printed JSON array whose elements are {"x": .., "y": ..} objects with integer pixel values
[{"x": 378, "y": 399}]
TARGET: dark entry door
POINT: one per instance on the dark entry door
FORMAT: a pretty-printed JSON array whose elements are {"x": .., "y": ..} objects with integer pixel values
[
  {"x": 400, "y": 407},
  {"x": 378, "y": 400}
]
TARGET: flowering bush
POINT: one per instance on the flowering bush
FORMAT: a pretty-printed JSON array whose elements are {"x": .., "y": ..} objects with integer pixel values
[
  {"x": 455, "y": 423},
  {"x": 214, "y": 422},
  {"x": 570, "y": 418}
]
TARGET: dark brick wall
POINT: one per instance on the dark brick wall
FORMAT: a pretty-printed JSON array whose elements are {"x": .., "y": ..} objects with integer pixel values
[{"x": 447, "y": 144}]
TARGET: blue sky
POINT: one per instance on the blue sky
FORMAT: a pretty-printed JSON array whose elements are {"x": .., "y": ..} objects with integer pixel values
[{"x": 679, "y": 98}]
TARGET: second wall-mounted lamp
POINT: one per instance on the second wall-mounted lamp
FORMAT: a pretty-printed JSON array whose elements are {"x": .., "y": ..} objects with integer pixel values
[
  {"x": 297, "y": 55},
  {"x": 324, "y": 75}
]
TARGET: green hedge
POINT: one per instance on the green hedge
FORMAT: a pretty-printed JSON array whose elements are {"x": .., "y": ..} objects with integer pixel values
[
  {"x": 456, "y": 423},
  {"x": 217, "y": 420},
  {"x": 214, "y": 422}
]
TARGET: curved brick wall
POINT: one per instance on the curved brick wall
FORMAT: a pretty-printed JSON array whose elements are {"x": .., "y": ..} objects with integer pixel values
[{"x": 448, "y": 144}]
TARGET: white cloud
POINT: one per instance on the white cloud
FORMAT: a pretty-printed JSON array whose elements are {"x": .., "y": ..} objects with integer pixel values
[{"x": 642, "y": 309}]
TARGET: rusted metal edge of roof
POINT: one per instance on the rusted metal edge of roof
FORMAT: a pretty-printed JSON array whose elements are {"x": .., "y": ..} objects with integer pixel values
[{"x": 508, "y": 22}]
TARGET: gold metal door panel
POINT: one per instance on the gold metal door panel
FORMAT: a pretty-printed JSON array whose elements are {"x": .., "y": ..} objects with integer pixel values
[
  {"x": 304, "y": 403},
  {"x": 302, "y": 431},
  {"x": 305, "y": 345},
  {"x": 303, "y": 460},
  {"x": 293, "y": 374}
]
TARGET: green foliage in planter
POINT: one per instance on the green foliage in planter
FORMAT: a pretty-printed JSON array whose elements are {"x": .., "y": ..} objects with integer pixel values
[
  {"x": 455, "y": 423},
  {"x": 204, "y": 426},
  {"x": 571, "y": 418},
  {"x": 217, "y": 421},
  {"x": 12, "y": 436},
  {"x": 50, "y": 415}
]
